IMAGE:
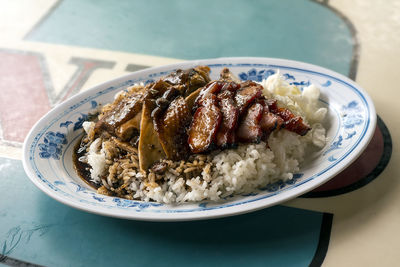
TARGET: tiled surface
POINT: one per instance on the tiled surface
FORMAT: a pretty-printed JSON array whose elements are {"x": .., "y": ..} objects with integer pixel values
[{"x": 62, "y": 47}]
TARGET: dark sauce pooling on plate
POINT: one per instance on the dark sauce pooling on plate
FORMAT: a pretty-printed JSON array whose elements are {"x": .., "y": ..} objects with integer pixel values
[{"x": 83, "y": 169}]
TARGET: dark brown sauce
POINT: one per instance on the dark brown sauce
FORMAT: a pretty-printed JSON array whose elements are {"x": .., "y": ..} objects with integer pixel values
[{"x": 83, "y": 169}]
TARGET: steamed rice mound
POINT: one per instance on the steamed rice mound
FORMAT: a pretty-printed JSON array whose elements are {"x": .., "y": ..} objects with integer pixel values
[{"x": 222, "y": 173}]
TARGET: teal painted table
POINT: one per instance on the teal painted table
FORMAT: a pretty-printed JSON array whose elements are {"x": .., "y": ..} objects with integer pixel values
[{"x": 297, "y": 30}]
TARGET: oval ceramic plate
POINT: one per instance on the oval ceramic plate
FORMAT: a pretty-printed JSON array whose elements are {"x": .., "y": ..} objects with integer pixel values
[{"x": 350, "y": 125}]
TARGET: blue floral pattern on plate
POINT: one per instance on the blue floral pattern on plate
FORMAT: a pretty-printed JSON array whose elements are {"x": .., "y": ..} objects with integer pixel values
[
  {"x": 335, "y": 145},
  {"x": 326, "y": 84},
  {"x": 350, "y": 135},
  {"x": 352, "y": 116},
  {"x": 301, "y": 83},
  {"x": 93, "y": 103},
  {"x": 81, "y": 120},
  {"x": 52, "y": 145},
  {"x": 255, "y": 75},
  {"x": 79, "y": 188},
  {"x": 65, "y": 124},
  {"x": 126, "y": 203},
  {"x": 288, "y": 77}
]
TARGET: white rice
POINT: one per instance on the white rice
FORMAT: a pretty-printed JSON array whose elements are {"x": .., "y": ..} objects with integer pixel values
[
  {"x": 96, "y": 158},
  {"x": 241, "y": 170}
]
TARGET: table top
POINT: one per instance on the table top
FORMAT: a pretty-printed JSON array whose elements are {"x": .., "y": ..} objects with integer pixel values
[{"x": 61, "y": 48}]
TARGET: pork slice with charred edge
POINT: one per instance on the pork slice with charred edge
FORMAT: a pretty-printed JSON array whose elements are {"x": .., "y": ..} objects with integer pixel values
[
  {"x": 207, "y": 92},
  {"x": 292, "y": 122},
  {"x": 226, "y": 133},
  {"x": 247, "y": 94},
  {"x": 272, "y": 105},
  {"x": 204, "y": 126},
  {"x": 269, "y": 121},
  {"x": 230, "y": 86},
  {"x": 249, "y": 129},
  {"x": 171, "y": 128}
]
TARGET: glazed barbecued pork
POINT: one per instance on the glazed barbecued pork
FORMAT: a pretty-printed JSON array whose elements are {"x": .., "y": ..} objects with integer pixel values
[
  {"x": 226, "y": 133},
  {"x": 249, "y": 130},
  {"x": 205, "y": 124},
  {"x": 249, "y": 91},
  {"x": 290, "y": 121},
  {"x": 269, "y": 121},
  {"x": 227, "y": 112}
]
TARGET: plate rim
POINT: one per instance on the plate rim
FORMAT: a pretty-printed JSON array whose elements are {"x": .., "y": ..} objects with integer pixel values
[{"x": 257, "y": 204}]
